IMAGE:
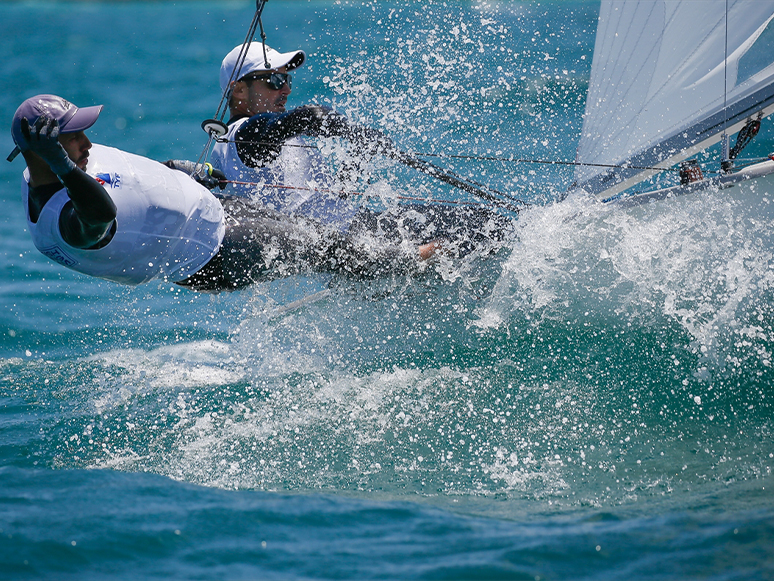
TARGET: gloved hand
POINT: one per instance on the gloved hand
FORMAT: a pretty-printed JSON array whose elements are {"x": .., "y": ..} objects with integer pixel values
[
  {"x": 210, "y": 178},
  {"x": 328, "y": 123},
  {"x": 323, "y": 120},
  {"x": 43, "y": 139}
]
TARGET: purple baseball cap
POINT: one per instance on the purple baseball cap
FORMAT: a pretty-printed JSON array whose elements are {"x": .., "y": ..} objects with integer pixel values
[{"x": 71, "y": 118}]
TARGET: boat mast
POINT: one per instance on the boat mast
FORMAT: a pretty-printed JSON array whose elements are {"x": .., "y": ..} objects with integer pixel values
[{"x": 725, "y": 163}]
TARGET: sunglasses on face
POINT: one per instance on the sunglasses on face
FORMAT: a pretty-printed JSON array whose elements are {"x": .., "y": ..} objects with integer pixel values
[{"x": 274, "y": 80}]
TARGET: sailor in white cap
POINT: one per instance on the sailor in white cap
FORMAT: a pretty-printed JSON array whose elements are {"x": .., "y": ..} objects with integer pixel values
[
  {"x": 264, "y": 148},
  {"x": 131, "y": 219}
]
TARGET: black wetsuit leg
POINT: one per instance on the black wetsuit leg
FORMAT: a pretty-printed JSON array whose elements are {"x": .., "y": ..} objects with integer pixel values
[
  {"x": 469, "y": 227},
  {"x": 261, "y": 244}
]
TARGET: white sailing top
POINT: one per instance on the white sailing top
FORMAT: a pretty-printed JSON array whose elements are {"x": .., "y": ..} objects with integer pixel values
[
  {"x": 300, "y": 169},
  {"x": 167, "y": 225}
]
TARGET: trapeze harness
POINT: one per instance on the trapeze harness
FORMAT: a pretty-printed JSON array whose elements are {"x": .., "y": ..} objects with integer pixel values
[{"x": 298, "y": 168}]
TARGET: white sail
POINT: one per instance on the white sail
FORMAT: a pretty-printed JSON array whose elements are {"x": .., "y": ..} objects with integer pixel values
[{"x": 660, "y": 89}]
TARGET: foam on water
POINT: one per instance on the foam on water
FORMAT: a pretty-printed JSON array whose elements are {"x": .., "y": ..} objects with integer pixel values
[
  {"x": 703, "y": 262},
  {"x": 596, "y": 394}
]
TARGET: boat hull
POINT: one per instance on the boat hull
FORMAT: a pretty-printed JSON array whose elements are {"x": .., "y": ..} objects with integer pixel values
[{"x": 752, "y": 188}]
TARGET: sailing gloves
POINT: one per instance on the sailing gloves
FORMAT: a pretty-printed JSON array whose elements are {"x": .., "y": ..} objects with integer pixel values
[
  {"x": 43, "y": 139},
  {"x": 317, "y": 120},
  {"x": 207, "y": 175}
]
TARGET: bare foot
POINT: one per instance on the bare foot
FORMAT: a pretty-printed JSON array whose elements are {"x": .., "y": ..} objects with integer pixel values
[{"x": 429, "y": 249}]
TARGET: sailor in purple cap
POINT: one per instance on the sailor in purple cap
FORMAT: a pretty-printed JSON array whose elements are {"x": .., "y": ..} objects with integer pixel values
[
  {"x": 49, "y": 132},
  {"x": 131, "y": 219}
]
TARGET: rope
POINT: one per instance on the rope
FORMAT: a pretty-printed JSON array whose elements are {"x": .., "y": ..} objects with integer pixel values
[
  {"x": 473, "y": 157},
  {"x": 222, "y": 106},
  {"x": 454, "y": 180},
  {"x": 745, "y": 136}
]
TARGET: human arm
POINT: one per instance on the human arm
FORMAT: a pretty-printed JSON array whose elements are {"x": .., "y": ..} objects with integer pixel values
[
  {"x": 90, "y": 215},
  {"x": 208, "y": 176},
  {"x": 259, "y": 139}
]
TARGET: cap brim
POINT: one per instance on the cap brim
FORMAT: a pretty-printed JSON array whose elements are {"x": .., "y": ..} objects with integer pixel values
[
  {"x": 291, "y": 60},
  {"x": 294, "y": 59},
  {"x": 84, "y": 118}
]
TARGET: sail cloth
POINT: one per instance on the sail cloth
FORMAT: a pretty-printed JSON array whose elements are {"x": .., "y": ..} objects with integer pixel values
[{"x": 659, "y": 91}]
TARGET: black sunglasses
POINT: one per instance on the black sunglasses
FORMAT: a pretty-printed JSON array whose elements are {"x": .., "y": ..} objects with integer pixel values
[{"x": 274, "y": 80}]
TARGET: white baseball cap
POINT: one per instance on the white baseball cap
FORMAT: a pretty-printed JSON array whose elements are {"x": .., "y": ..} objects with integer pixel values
[{"x": 254, "y": 61}]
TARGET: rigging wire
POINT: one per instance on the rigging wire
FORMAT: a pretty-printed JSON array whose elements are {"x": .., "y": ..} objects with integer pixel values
[
  {"x": 215, "y": 126},
  {"x": 243, "y": 55},
  {"x": 483, "y": 191},
  {"x": 509, "y": 159}
]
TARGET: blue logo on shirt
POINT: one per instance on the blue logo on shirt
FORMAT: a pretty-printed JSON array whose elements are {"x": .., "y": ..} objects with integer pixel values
[{"x": 109, "y": 179}]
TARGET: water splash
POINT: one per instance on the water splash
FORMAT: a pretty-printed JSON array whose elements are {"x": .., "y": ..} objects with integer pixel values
[{"x": 702, "y": 263}]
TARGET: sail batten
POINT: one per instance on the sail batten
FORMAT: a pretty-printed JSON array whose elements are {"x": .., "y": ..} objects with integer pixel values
[{"x": 657, "y": 92}]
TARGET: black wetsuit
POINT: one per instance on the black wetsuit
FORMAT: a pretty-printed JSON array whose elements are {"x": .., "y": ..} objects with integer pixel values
[
  {"x": 259, "y": 141},
  {"x": 258, "y": 243}
]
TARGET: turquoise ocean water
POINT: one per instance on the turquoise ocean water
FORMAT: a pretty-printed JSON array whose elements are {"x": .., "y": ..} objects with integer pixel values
[{"x": 592, "y": 402}]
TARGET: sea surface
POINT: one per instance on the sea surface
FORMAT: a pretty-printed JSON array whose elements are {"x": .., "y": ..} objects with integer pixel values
[{"x": 592, "y": 401}]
